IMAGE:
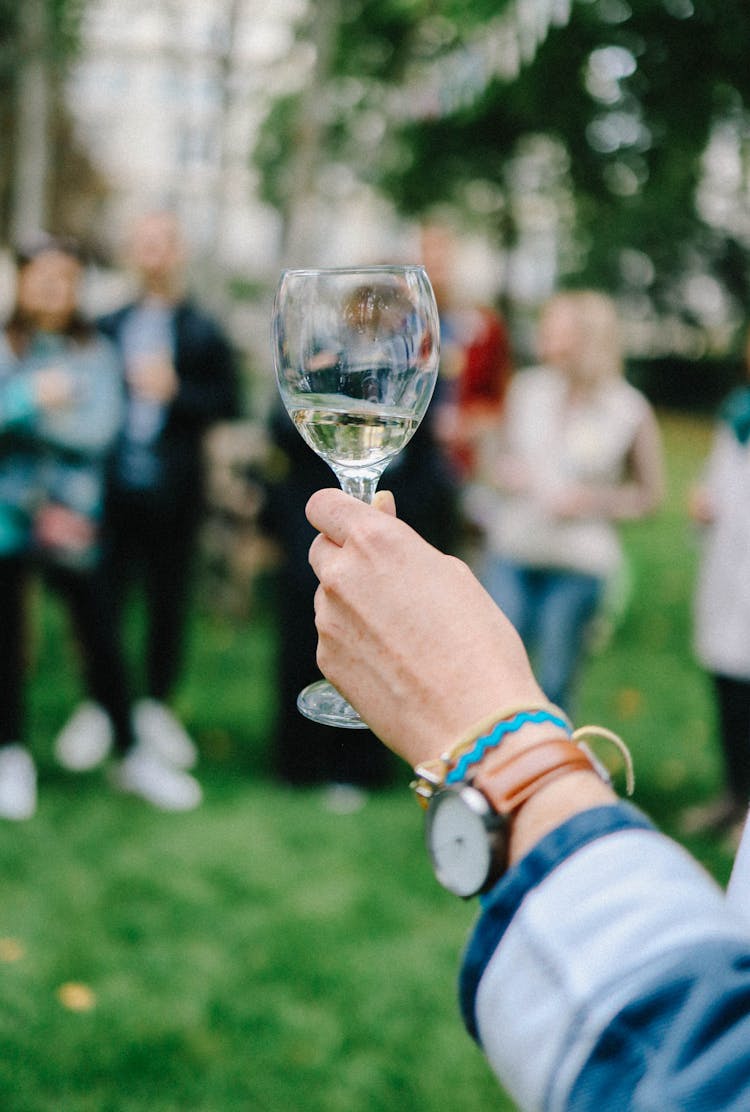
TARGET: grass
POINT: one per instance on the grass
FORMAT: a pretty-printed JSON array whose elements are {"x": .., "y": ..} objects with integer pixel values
[{"x": 262, "y": 953}]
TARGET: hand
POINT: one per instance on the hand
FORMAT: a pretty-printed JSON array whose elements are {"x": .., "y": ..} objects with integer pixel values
[
  {"x": 406, "y": 633},
  {"x": 571, "y": 502},
  {"x": 54, "y": 388},
  {"x": 153, "y": 378},
  {"x": 510, "y": 475},
  {"x": 700, "y": 506}
]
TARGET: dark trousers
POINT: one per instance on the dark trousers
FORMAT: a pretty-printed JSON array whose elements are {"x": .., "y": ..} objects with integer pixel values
[
  {"x": 307, "y": 752},
  {"x": 150, "y": 541},
  {"x": 733, "y": 704},
  {"x": 91, "y": 616}
]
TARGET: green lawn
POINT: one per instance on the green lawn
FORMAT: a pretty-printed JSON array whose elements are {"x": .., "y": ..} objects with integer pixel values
[{"x": 262, "y": 953}]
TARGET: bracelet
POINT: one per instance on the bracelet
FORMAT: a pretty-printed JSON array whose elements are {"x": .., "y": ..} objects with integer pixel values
[
  {"x": 486, "y": 734},
  {"x": 608, "y": 735},
  {"x": 493, "y": 739},
  {"x": 451, "y": 766}
]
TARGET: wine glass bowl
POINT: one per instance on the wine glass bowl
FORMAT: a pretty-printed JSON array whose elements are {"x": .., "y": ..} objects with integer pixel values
[{"x": 356, "y": 355}]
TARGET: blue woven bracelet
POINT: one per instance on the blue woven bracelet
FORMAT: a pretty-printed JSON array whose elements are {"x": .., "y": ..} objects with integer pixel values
[{"x": 496, "y": 735}]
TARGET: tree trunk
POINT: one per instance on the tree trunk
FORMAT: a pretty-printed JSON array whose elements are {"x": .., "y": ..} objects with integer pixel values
[
  {"x": 301, "y": 232},
  {"x": 30, "y": 199}
]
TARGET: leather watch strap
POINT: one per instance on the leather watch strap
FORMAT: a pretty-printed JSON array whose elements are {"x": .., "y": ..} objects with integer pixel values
[{"x": 509, "y": 782}]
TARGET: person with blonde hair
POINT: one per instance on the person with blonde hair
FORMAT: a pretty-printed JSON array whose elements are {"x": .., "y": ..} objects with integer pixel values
[{"x": 577, "y": 450}]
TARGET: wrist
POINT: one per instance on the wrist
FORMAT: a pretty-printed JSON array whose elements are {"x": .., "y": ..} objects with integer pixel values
[
  {"x": 552, "y": 805},
  {"x": 491, "y": 799},
  {"x": 511, "y": 729}
]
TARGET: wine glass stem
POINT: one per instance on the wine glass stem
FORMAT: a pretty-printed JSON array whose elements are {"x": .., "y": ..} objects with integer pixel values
[{"x": 359, "y": 486}]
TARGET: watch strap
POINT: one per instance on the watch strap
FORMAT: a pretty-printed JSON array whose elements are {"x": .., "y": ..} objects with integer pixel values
[{"x": 507, "y": 782}]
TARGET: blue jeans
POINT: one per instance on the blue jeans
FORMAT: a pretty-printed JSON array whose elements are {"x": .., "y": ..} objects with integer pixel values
[{"x": 551, "y": 609}]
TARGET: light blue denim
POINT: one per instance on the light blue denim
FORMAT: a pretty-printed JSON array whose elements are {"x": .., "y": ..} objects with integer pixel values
[{"x": 551, "y": 609}]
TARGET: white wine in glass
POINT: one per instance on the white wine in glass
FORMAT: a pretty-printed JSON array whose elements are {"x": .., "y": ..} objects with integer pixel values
[{"x": 356, "y": 354}]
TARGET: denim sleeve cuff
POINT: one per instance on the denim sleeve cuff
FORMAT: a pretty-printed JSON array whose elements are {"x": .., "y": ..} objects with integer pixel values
[{"x": 501, "y": 903}]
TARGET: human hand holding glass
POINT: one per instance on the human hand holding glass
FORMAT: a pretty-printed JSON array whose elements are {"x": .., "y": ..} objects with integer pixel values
[{"x": 356, "y": 354}]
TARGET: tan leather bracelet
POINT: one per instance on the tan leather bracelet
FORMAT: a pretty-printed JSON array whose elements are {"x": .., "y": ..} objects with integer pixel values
[{"x": 507, "y": 782}]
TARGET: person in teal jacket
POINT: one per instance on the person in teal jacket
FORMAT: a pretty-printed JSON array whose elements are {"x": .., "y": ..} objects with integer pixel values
[{"x": 61, "y": 407}]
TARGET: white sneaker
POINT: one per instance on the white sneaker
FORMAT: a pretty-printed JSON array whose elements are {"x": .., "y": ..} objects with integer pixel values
[
  {"x": 158, "y": 730},
  {"x": 168, "y": 788},
  {"x": 85, "y": 740},
  {"x": 17, "y": 783},
  {"x": 344, "y": 799}
]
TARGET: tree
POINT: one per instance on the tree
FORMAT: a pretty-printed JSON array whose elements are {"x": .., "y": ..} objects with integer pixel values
[
  {"x": 38, "y": 39},
  {"x": 628, "y": 95}
]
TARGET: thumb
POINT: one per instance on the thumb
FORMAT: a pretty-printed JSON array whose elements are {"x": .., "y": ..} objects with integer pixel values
[{"x": 385, "y": 502}]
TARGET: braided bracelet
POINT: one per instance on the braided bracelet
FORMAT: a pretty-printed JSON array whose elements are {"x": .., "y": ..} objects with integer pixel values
[
  {"x": 496, "y": 735},
  {"x": 488, "y": 734}
]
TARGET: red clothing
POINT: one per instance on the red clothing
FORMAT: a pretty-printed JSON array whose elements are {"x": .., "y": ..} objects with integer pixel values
[{"x": 486, "y": 367}]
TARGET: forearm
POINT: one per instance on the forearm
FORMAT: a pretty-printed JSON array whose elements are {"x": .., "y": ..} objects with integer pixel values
[
  {"x": 584, "y": 937},
  {"x": 553, "y": 805},
  {"x": 605, "y": 963},
  {"x": 628, "y": 501}
]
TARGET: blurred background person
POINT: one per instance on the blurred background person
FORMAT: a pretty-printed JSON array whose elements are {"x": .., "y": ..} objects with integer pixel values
[
  {"x": 475, "y": 352},
  {"x": 720, "y": 506},
  {"x": 180, "y": 378},
  {"x": 475, "y": 368},
  {"x": 578, "y": 449},
  {"x": 60, "y": 411}
]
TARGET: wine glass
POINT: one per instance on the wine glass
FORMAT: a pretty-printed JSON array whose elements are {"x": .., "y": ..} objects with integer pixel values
[{"x": 356, "y": 354}]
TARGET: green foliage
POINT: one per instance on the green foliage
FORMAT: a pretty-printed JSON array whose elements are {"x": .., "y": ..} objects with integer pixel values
[
  {"x": 372, "y": 45},
  {"x": 378, "y": 40},
  {"x": 375, "y": 38},
  {"x": 65, "y": 21},
  {"x": 272, "y": 150},
  {"x": 634, "y": 138},
  {"x": 62, "y": 19},
  {"x": 672, "y": 96}
]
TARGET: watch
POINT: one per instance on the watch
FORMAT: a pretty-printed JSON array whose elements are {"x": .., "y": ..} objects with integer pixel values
[{"x": 468, "y": 824}]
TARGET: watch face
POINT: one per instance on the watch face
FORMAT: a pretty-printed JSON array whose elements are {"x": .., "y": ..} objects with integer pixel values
[{"x": 462, "y": 833}]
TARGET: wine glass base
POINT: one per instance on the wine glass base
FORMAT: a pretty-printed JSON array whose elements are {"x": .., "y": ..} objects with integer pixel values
[{"x": 321, "y": 702}]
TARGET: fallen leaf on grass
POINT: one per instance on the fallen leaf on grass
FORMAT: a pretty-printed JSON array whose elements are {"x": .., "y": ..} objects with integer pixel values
[
  {"x": 76, "y": 997},
  {"x": 11, "y": 949},
  {"x": 629, "y": 702}
]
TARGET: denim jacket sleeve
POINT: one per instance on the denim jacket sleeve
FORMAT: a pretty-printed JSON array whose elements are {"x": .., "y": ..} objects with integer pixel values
[{"x": 606, "y": 970}]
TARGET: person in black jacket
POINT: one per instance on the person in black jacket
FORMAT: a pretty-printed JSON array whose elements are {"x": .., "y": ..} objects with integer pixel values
[{"x": 180, "y": 378}]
